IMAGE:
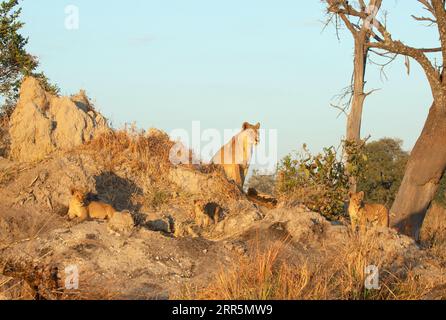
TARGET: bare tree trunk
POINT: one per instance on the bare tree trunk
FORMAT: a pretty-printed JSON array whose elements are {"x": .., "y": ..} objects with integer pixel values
[
  {"x": 424, "y": 171},
  {"x": 355, "y": 116}
]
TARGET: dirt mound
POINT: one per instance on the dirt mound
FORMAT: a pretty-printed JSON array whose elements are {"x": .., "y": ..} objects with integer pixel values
[
  {"x": 42, "y": 123},
  {"x": 154, "y": 265}
]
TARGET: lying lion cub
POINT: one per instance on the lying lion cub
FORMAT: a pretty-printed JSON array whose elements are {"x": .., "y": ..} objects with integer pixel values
[
  {"x": 94, "y": 210},
  {"x": 366, "y": 214}
]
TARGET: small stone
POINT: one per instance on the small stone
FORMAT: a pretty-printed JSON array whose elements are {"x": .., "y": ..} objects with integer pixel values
[{"x": 122, "y": 223}]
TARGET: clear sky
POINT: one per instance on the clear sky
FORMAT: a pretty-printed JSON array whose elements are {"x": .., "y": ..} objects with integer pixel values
[{"x": 166, "y": 63}]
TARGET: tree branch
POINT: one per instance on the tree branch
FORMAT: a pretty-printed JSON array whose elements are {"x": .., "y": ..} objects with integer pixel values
[
  {"x": 440, "y": 13},
  {"x": 385, "y": 41}
]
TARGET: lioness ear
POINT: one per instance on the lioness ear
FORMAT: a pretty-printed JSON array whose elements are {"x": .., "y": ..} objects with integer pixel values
[
  {"x": 362, "y": 194},
  {"x": 245, "y": 126},
  {"x": 258, "y": 125},
  {"x": 350, "y": 194}
]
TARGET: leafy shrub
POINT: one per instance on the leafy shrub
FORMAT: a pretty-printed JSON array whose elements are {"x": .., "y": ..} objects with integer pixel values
[
  {"x": 319, "y": 182},
  {"x": 355, "y": 159}
]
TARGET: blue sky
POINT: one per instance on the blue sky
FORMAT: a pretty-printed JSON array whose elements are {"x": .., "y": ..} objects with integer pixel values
[{"x": 166, "y": 63}]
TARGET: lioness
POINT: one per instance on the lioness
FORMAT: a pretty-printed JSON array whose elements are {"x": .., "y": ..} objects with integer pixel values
[
  {"x": 94, "y": 210},
  {"x": 207, "y": 213},
  {"x": 366, "y": 214},
  {"x": 236, "y": 155}
]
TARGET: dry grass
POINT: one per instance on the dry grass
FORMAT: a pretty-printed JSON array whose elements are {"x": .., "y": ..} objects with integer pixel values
[
  {"x": 269, "y": 275},
  {"x": 99, "y": 291},
  {"x": 15, "y": 289},
  {"x": 132, "y": 149}
]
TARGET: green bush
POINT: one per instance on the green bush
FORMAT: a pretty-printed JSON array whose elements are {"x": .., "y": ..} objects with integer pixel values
[
  {"x": 319, "y": 182},
  {"x": 384, "y": 170}
]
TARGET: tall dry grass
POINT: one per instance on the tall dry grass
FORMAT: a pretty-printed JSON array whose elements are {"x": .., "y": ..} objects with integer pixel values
[
  {"x": 133, "y": 149},
  {"x": 340, "y": 274}
]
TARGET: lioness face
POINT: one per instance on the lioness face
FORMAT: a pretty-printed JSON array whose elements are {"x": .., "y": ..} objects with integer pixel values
[
  {"x": 78, "y": 195},
  {"x": 253, "y": 132},
  {"x": 356, "y": 201}
]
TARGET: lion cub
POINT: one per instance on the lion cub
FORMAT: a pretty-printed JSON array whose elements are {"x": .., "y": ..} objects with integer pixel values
[
  {"x": 207, "y": 213},
  {"x": 186, "y": 229},
  {"x": 94, "y": 210},
  {"x": 366, "y": 214}
]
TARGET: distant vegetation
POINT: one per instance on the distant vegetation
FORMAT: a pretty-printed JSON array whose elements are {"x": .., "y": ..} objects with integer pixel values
[
  {"x": 384, "y": 170},
  {"x": 263, "y": 182}
]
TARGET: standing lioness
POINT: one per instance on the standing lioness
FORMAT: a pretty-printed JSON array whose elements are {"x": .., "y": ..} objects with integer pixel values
[
  {"x": 94, "y": 210},
  {"x": 235, "y": 156},
  {"x": 366, "y": 214}
]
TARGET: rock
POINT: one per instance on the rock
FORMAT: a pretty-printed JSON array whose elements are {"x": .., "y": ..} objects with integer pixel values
[
  {"x": 121, "y": 223},
  {"x": 237, "y": 223},
  {"x": 160, "y": 225},
  {"x": 298, "y": 223},
  {"x": 42, "y": 123},
  {"x": 186, "y": 229},
  {"x": 262, "y": 199},
  {"x": 212, "y": 187},
  {"x": 192, "y": 181}
]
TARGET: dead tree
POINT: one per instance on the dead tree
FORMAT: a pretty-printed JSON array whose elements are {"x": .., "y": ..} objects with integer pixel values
[
  {"x": 361, "y": 35},
  {"x": 427, "y": 162}
]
